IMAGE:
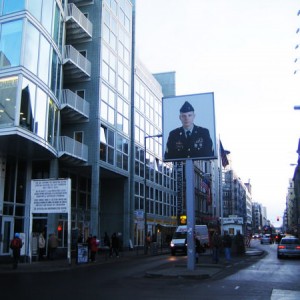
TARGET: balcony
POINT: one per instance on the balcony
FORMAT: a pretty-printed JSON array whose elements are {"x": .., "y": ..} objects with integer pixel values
[
  {"x": 78, "y": 27},
  {"x": 71, "y": 151},
  {"x": 81, "y": 2},
  {"x": 76, "y": 66},
  {"x": 74, "y": 109}
]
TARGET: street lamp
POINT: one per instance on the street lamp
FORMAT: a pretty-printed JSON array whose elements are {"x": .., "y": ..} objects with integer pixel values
[{"x": 145, "y": 196}]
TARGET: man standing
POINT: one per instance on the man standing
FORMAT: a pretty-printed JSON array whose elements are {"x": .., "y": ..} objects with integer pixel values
[
  {"x": 16, "y": 245},
  {"x": 216, "y": 245},
  {"x": 227, "y": 246},
  {"x": 190, "y": 140},
  {"x": 52, "y": 245},
  {"x": 42, "y": 246}
]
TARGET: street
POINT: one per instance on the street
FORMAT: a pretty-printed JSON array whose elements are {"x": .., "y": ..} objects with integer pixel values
[{"x": 251, "y": 278}]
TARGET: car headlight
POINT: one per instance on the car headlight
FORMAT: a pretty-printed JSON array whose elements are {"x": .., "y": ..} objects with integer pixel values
[{"x": 172, "y": 244}]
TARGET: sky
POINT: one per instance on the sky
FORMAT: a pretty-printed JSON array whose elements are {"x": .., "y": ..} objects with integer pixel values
[{"x": 243, "y": 51}]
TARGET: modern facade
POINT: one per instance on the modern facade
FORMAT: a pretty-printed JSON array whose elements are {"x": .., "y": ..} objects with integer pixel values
[{"x": 76, "y": 103}]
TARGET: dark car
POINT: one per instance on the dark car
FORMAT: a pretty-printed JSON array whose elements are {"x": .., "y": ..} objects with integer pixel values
[
  {"x": 266, "y": 239},
  {"x": 288, "y": 247}
]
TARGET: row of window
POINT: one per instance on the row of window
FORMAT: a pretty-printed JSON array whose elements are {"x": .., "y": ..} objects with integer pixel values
[
  {"x": 37, "y": 55},
  {"x": 124, "y": 12}
]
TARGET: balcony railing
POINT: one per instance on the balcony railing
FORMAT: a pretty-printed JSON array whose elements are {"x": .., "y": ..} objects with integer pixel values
[
  {"x": 70, "y": 147},
  {"x": 79, "y": 27},
  {"x": 76, "y": 66},
  {"x": 74, "y": 108},
  {"x": 81, "y": 2}
]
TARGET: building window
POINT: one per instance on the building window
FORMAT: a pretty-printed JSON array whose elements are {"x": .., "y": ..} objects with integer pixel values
[
  {"x": 107, "y": 145},
  {"x": 8, "y": 94},
  {"x": 10, "y": 43}
]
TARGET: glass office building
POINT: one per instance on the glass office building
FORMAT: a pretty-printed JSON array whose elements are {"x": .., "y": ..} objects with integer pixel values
[{"x": 76, "y": 103}]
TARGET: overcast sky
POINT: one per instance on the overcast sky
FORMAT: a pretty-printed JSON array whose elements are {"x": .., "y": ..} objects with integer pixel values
[{"x": 243, "y": 51}]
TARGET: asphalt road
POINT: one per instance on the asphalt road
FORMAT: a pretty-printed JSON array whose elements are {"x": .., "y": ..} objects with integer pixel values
[{"x": 252, "y": 277}]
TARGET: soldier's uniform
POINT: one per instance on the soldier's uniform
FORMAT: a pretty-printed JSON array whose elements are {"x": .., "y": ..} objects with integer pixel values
[{"x": 197, "y": 143}]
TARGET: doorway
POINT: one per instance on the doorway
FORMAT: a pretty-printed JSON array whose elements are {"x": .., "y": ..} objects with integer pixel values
[{"x": 7, "y": 230}]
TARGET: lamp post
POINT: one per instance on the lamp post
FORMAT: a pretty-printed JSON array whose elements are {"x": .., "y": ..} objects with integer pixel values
[{"x": 145, "y": 196}]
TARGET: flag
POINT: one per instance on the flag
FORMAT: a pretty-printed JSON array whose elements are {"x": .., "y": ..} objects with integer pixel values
[{"x": 224, "y": 158}]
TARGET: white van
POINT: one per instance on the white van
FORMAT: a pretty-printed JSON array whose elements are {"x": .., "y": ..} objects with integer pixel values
[{"x": 179, "y": 240}]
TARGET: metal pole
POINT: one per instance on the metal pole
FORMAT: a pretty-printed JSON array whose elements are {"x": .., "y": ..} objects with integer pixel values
[
  {"x": 145, "y": 200},
  {"x": 190, "y": 205},
  {"x": 145, "y": 196}
]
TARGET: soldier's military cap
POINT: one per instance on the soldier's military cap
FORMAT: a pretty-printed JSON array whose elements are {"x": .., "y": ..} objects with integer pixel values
[{"x": 186, "y": 107}]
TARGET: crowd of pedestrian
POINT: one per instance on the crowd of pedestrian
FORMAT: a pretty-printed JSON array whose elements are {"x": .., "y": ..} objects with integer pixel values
[{"x": 227, "y": 244}]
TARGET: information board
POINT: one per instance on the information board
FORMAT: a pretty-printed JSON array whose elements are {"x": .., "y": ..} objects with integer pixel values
[
  {"x": 50, "y": 196},
  {"x": 82, "y": 253}
]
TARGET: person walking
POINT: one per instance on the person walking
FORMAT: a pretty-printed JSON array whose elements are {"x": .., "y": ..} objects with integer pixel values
[
  {"x": 42, "y": 246},
  {"x": 106, "y": 240},
  {"x": 16, "y": 244},
  {"x": 53, "y": 245},
  {"x": 216, "y": 245},
  {"x": 94, "y": 248},
  {"x": 89, "y": 243},
  {"x": 115, "y": 245},
  {"x": 227, "y": 242}
]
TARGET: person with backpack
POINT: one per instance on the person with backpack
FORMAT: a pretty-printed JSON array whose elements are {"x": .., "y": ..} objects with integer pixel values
[{"x": 16, "y": 245}]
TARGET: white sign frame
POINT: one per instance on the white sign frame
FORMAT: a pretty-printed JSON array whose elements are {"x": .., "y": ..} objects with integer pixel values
[{"x": 51, "y": 196}]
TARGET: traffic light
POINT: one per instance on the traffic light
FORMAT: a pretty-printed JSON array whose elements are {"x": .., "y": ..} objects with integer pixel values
[
  {"x": 183, "y": 220},
  {"x": 59, "y": 228},
  {"x": 277, "y": 219}
]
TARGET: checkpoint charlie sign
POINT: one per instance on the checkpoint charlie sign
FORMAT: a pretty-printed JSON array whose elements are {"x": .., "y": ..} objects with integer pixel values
[{"x": 50, "y": 196}]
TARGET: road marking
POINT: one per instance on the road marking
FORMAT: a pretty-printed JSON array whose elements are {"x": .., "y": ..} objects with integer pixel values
[{"x": 285, "y": 295}]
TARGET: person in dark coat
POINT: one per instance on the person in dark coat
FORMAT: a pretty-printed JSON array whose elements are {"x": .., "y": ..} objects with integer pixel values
[
  {"x": 216, "y": 246},
  {"x": 189, "y": 140},
  {"x": 115, "y": 245}
]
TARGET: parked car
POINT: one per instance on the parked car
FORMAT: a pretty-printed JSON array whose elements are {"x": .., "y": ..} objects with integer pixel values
[
  {"x": 288, "y": 246},
  {"x": 266, "y": 239}
]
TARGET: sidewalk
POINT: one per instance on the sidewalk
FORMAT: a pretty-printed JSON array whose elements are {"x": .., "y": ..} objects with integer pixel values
[{"x": 204, "y": 268}]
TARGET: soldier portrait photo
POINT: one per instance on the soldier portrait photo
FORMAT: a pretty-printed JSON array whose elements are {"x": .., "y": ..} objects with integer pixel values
[{"x": 189, "y": 141}]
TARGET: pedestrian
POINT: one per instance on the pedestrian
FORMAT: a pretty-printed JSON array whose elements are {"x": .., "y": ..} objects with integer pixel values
[
  {"x": 115, "y": 245},
  {"x": 198, "y": 249},
  {"x": 216, "y": 245},
  {"x": 94, "y": 248},
  {"x": 227, "y": 243},
  {"x": 148, "y": 242},
  {"x": 106, "y": 240},
  {"x": 240, "y": 244},
  {"x": 189, "y": 140},
  {"x": 52, "y": 246},
  {"x": 16, "y": 245},
  {"x": 42, "y": 246}
]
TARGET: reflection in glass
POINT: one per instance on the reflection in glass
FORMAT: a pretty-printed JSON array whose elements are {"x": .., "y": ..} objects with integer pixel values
[
  {"x": 10, "y": 44},
  {"x": 10, "y": 6},
  {"x": 31, "y": 49},
  {"x": 26, "y": 110},
  {"x": 41, "y": 110},
  {"x": 8, "y": 94}
]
